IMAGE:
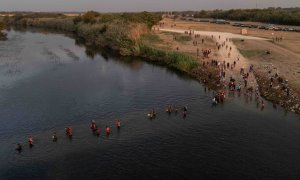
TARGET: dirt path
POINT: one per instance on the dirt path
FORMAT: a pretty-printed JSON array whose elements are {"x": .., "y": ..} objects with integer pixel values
[{"x": 223, "y": 53}]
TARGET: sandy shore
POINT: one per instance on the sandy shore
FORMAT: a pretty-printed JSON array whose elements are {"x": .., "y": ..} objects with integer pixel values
[
  {"x": 235, "y": 55},
  {"x": 258, "y": 80}
]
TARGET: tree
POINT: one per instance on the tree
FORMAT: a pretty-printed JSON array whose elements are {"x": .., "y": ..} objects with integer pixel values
[{"x": 90, "y": 17}]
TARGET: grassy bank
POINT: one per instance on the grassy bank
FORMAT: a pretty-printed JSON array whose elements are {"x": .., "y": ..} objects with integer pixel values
[
  {"x": 176, "y": 60},
  {"x": 182, "y": 38},
  {"x": 181, "y": 62},
  {"x": 251, "y": 53}
]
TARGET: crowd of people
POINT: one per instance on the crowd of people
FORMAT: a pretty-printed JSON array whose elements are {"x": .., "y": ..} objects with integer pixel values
[{"x": 237, "y": 80}]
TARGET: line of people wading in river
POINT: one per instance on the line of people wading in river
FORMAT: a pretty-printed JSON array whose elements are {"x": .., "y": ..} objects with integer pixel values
[{"x": 96, "y": 130}]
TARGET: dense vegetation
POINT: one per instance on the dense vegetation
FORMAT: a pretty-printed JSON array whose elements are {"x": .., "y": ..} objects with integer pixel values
[
  {"x": 285, "y": 16},
  {"x": 119, "y": 31},
  {"x": 176, "y": 60},
  {"x": 2, "y": 35},
  {"x": 1, "y": 26}
]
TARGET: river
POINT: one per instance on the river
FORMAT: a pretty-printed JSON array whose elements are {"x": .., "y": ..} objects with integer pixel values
[{"x": 49, "y": 81}]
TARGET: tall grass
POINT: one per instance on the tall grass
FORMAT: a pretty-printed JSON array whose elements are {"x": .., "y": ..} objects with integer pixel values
[
  {"x": 64, "y": 24},
  {"x": 151, "y": 38},
  {"x": 179, "y": 37},
  {"x": 251, "y": 53},
  {"x": 176, "y": 60},
  {"x": 183, "y": 38},
  {"x": 118, "y": 35}
]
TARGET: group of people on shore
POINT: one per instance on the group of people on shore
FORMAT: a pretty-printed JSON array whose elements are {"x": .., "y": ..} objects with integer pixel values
[
  {"x": 236, "y": 82},
  {"x": 232, "y": 84}
]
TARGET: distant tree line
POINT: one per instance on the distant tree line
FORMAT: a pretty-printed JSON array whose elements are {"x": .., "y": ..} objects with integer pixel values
[{"x": 284, "y": 16}]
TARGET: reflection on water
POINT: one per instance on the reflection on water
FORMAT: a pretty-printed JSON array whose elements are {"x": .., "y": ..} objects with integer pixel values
[{"x": 51, "y": 81}]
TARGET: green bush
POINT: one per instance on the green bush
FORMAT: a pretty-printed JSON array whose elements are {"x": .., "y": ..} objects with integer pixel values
[
  {"x": 183, "y": 38},
  {"x": 151, "y": 38},
  {"x": 112, "y": 30},
  {"x": 177, "y": 60},
  {"x": 65, "y": 24},
  {"x": 1, "y": 26}
]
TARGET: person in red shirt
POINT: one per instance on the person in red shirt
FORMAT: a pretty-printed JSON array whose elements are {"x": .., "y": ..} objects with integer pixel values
[
  {"x": 30, "y": 141},
  {"x": 107, "y": 130}
]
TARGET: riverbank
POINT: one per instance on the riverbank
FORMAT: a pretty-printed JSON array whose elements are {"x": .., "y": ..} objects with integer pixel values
[
  {"x": 251, "y": 50},
  {"x": 275, "y": 90},
  {"x": 3, "y": 36},
  {"x": 223, "y": 61},
  {"x": 184, "y": 63},
  {"x": 277, "y": 71},
  {"x": 169, "y": 48}
]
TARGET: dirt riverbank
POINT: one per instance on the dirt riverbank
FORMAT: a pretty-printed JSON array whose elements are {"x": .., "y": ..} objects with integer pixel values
[{"x": 271, "y": 84}]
